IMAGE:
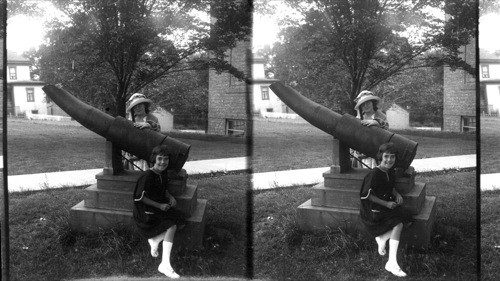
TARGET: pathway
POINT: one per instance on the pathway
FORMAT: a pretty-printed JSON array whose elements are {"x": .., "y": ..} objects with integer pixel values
[{"x": 260, "y": 181}]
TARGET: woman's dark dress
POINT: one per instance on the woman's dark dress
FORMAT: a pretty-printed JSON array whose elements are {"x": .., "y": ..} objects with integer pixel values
[
  {"x": 377, "y": 218},
  {"x": 152, "y": 221}
]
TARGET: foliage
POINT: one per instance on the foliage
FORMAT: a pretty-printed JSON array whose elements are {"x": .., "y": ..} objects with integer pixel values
[
  {"x": 181, "y": 92},
  {"x": 104, "y": 51},
  {"x": 488, "y": 6},
  {"x": 338, "y": 48}
]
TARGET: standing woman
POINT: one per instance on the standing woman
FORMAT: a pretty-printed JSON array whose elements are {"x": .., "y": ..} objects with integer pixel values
[
  {"x": 139, "y": 110},
  {"x": 367, "y": 107},
  {"x": 381, "y": 210},
  {"x": 154, "y": 209}
]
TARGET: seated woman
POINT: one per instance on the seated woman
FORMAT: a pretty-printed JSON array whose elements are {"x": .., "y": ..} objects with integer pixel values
[
  {"x": 154, "y": 209},
  {"x": 367, "y": 107},
  {"x": 139, "y": 113},
  {"x": 381, "y": 210}
]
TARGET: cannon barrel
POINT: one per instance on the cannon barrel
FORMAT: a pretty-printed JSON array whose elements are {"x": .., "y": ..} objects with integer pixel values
[
  {"x": 346, "y": 128},
  {"x": 120, "y": 131}
]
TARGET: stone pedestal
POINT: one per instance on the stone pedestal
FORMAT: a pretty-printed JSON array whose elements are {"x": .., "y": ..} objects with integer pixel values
[
  {"x": 109, "y": 203},
  {"x": 335, "y": 203}
]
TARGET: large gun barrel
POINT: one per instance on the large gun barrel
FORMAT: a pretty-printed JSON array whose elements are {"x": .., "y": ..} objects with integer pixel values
[
  {"x": 346, "y": 128},
  {"x": 120, "y": 131}
]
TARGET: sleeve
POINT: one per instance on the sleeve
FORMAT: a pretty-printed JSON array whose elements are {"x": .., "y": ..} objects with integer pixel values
[
  {"x": 382, "y": 120},
  {"x": 141, "y": 188},
  {"x": 366, "y": 187},
  {"x": 153, "y": 121}
]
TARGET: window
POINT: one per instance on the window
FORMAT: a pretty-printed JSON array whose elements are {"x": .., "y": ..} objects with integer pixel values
[
  {"x": 269, "y": 110},
  {"x": 468, "y": 124},
  {"x": 235, "y": 127},
  {"x": 12, "y": 73},
  {"x": 485, "y": 70},
  {"x": 30, "y": 94},
  {"x": 265, "y": 92}
]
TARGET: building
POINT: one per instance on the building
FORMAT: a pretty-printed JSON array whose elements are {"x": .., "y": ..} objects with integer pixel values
[
  {"x": 264, "y": 101},
  {"x": 24, "y": 95},
  {"x": 489, "y": 78},
  {"x": 459, "y": 95},
  {"x": 398, "y": 117},
  {"x": 228, "y": 97}
]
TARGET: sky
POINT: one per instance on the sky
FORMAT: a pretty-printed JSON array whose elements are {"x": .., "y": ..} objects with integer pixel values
[
  {"x": 488, "y": 32},
  {"x": 24, "y": 33}
]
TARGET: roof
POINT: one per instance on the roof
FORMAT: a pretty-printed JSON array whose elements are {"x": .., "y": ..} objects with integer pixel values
[
  {"x": 486, "y": 56},
  {"x": 263, "y": 81},
  {"x": 15, "y": 58},
  {"x": 26, "y": 83}
]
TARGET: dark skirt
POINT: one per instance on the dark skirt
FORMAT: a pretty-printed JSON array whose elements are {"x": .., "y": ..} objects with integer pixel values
[
  {"x": 160, "y": 222},
  {"x": 378, "y": 223}
]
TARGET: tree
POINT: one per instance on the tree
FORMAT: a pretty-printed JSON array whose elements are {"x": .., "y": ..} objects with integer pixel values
[
  {"x": 108, "y": 49},
  {"x": 339, "y": 48}
]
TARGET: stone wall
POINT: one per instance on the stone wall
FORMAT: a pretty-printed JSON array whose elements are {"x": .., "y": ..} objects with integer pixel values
[
  {"x": 227, "y": 96},
  {"x": 459, "y": 97}
]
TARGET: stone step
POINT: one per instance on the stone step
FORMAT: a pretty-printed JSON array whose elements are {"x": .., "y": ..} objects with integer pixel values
[
  {"x": 354, "y": 178},
  {"x": 311, "y": 217},
  {"x": 419, "y": 234},
  {"x": 122, "y": 200},
  {"x": 124, "y": 181},
  {"x": 127, "y": 179},
  {"x": 414, "y": 199},
  {"x": 349, "y": 198},
  {"x": 89, "y": 220}
]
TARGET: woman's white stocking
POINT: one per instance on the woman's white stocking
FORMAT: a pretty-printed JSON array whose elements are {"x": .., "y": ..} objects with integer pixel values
[{"x": 382, "y": 242}]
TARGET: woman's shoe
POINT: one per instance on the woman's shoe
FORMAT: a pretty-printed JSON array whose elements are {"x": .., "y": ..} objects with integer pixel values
[
  {"x": 395, "y": 269},
  {"x": 169, "y": 272}
]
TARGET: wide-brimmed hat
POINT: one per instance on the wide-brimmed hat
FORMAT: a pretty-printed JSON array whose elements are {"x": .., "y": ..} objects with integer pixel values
[
  {"x": 136, "y": 99},
  {"x": 363, "y": 97}
]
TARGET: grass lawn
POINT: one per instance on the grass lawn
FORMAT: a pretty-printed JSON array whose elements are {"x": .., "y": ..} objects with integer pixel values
[
  {"x": 283, "y": 252},
  {"x": 490, "y": 235},
  {"x": 42, "y": 246},
  {"x": 43, "y": 146},
  {"x": 490, "y": 200},
  {"x": 293, "y": 145},
  {"x": 490, "y": 145}
]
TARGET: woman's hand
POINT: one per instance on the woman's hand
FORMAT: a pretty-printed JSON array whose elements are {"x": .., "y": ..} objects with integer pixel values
[
  {"x": 369, "y": 123},
  {"x": 142, "y": 125},
  {"x": 173, "y": 202},
  {"x": 399, "y": 199},
  {"x": 164, "y": 207},
  {"x": 391, "y": 204}
]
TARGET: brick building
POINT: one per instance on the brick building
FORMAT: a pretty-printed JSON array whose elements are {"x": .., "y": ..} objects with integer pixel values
[
  {"x": 459, "y": 96},
  {"x": 228, "y": 96}
]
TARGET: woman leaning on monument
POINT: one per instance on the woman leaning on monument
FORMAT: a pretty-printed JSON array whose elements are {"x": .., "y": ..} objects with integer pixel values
[
  {"x": 138, "y": 108},
  {"x": 367, "y": 107}
]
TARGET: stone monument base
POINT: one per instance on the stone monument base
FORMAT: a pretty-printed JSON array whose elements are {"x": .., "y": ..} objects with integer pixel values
[
  {"x": 335, "y": 203},
  {"x": 109, "y": 203}
]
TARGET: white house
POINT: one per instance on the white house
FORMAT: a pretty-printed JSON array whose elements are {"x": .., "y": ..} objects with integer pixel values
[
  {"x": 24, "y": 95},
  {"x": 489, "y": 77},
  {"x": 264, "y": 101},
  {"x": 165, "y": 118},
  {"x": 398, "y": 117}
]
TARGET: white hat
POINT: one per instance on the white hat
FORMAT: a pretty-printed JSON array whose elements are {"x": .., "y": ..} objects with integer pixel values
[
  {"x": 136, "y": 99},
  {"x": 363, "y": 97}
]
